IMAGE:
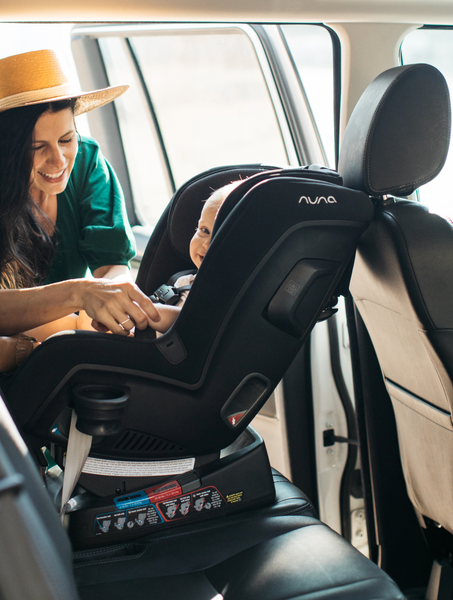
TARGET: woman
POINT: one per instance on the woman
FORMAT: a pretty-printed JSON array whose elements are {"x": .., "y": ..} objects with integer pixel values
[{"x": 62, "y": 210}]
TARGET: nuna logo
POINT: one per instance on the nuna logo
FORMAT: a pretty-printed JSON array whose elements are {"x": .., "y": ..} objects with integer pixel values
[{"x": 318, "y": 200}]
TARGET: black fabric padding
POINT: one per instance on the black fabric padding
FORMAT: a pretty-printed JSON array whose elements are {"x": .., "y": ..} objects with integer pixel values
[
  {"x": 398, "y": 135},
  {"x": 236, "y": 195},
  {"x": 188, "y": 201},
  {"x": 159, "y": 252}
]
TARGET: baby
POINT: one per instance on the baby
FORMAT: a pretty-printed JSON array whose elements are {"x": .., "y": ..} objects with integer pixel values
[{"x": 199, "y": 245}]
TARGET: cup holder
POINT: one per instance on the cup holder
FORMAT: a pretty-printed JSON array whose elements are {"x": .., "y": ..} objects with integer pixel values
[{"x": 99, "y": 408}]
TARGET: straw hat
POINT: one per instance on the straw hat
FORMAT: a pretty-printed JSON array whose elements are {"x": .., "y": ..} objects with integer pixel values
[{"x": 41, "y": 76}]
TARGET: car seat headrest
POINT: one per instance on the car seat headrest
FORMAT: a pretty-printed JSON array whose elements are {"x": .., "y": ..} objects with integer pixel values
[
  {"x": 306, "y": 172},
  {"x": 188, "y": 201},
  {"x": 398, "y": 135}
]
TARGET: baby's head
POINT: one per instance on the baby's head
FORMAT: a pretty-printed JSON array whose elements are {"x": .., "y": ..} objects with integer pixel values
[{"x": 200, "y": 242}]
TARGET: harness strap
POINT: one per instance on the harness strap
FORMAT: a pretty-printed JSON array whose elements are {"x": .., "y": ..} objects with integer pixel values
[
  {"x": 174, "y": 278},
  {"x": 183, "y": 288}
]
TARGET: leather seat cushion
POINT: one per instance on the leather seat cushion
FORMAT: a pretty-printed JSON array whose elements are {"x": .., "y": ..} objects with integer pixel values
[{"x": 271, "y": 558}]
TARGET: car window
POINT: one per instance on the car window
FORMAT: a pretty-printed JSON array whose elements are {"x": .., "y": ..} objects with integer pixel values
[
  {"x": 311, "y": 49},
  {"x": 210, "y": 101},
  {"x": 151, "y": 187},
  {"x": 435, "y": 47}
]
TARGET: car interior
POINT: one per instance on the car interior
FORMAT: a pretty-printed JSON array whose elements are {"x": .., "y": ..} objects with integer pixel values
[{"x": 144, "y": 466}]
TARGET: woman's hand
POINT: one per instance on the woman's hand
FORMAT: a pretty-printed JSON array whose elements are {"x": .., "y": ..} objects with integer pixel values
[
  {"x": 114, "y": 306},
  {"x": 117, "y": 307}
]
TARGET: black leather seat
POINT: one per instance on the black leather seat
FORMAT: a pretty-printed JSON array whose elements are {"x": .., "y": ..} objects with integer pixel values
[
  {"x": 397, "y": 139},
  {"x": 264, "y": 557}
]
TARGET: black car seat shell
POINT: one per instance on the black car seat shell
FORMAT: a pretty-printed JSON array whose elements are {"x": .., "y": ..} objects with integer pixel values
[{"x": 402, "y": 280}]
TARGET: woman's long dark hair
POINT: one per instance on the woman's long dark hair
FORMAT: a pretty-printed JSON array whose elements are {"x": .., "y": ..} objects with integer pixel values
[{"x": 26, "y": 248}]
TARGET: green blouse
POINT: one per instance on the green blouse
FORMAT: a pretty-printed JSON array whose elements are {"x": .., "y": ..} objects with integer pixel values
[{"x": 92, "y": 228}]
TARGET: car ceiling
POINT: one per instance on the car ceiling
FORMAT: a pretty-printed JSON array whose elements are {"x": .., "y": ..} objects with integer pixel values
[{"x": 396, "y": 11}]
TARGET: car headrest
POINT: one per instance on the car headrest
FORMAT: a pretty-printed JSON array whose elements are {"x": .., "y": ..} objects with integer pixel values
[{"x": 398, "y": 135}]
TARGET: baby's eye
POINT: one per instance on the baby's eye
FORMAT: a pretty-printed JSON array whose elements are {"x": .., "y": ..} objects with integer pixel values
[{"x": 202, "y": 231}]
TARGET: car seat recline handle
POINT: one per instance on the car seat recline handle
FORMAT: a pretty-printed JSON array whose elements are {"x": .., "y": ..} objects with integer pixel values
[{"x": 99, "y": 408}]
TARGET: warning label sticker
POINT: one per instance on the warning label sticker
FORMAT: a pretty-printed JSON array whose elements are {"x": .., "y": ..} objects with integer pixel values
[
  {"x": 120, "y": 468},
  {"x": 135, "y": 518},
  {"x": 132, "y": 500},
  {"x": 193, "y": 504},
  {"x": 233, "y": 498},
  {"x": 162, "y": 492}
]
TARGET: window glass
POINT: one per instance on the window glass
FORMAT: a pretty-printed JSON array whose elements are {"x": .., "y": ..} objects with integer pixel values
[
  {"x": 210, "y": 98},
  {"x": 211, "y": 102},
  {"x": 311, "y": 49},
  {"x": 150, "y": 188},
  {"x": 435, "y": 47}
]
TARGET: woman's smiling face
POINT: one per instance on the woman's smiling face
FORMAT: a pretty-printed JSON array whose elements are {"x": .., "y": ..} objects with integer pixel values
[{"x": 55, "y": 147}]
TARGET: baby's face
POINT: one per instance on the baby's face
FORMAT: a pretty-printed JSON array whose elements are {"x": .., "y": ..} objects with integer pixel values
[{"x": 202, "y": 238}]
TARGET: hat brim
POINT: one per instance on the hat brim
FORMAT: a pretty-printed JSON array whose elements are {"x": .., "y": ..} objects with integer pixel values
[{"x": 86, "y": 101}]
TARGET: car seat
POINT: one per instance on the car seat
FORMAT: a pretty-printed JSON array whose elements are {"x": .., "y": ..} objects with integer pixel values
[
  {"x": 167, "y": 417},
  {"x": 397, "y": 139}
]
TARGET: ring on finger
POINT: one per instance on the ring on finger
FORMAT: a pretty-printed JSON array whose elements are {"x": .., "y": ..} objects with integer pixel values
[{"x": 122, "y": 324}]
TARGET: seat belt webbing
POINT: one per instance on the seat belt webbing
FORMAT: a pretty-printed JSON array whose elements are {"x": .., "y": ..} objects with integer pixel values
[{"x": 79, "y": 445}]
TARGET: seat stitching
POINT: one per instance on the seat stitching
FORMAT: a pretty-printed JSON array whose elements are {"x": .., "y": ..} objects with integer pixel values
[{"x": 169, "y": 537}]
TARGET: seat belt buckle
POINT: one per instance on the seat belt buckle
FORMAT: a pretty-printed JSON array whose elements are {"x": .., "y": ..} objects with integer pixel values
[{"x": 166, "y": 294}]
